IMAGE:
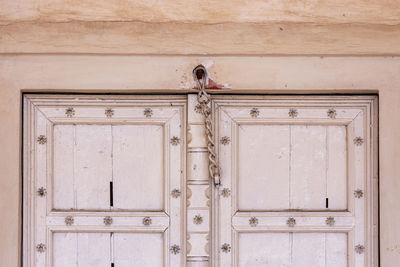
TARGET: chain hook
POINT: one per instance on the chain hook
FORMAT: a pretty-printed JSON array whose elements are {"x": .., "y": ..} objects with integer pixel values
[
  {"x": 204, "y": 99},
  {"x": 200, "y": 76}
]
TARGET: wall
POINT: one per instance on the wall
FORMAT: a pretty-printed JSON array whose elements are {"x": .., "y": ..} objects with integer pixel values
[
  {"x": 112, "y": 73},
  {"x": 137, "y": 45}
]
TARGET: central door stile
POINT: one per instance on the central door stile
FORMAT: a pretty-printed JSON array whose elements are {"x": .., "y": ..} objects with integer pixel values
[{"x": 199, "y": 186}]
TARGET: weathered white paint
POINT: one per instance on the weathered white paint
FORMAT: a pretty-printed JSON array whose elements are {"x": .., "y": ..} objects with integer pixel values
[
  {"x": 295, "y": 163},
  {"x": 87, "y": 151}
]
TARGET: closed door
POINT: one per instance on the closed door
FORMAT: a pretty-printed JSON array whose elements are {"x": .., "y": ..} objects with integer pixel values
[
  {"x": 296, "y": 187},
  {"x": 105, "y": 181},
  {"x": 123, "y": 181}
]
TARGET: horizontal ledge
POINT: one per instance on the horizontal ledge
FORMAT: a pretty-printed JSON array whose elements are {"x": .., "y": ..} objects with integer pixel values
[{"x": 140, "y": 38}]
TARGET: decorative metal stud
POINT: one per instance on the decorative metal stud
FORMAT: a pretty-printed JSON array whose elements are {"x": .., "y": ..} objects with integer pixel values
[
  {"x": 253, "y": 221},
  {"x": 41, "y": 248},
  {"x": 175, "y": 141},
  {"x": 225, "y": 140},
  {"x": 42, "y": 191},
  {"x": 330, "y": 221},
  {"x": 147, "y": 221},
  {"x": 108, "y": 220},
  {"x": 254, "y": 112},
  {"x": 358, "y": 193},
  {"x": 109, "y": 112},
  {"x": 293, "y": 113},
  {"x": 175, "y": 249},
  {"x": 331, "y": 113},
  {"x": 226, "y": 248},
  {"x": 198, "y": 219},
  {"x": 176, "y": 193},
  {"x": 70, "y": 112},
  {"x": 359, "y": 249},
  {"x": 148, "y": 112},
  {"x": 198, "y": 109},
  {"x": 69, "y": 220},
  {"x": 291, "y": 222},
  {"x": 358, "y": 141},
  {"x": 226, "y": 192},
  {"x": 42, "y": 139}
]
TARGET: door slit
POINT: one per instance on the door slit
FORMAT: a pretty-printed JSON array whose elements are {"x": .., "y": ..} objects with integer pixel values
[
  {"x": 111, "y": 194},
  {"x": 327, "y": 202}
]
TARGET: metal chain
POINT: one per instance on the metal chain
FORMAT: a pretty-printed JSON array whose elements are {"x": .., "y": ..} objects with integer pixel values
[{"x": 204, "y": 100}]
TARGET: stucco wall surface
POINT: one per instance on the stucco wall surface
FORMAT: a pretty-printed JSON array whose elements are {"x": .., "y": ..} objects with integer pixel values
[
  {"x": 112, "y": 73},
  {"x": 312, "y": 27}
]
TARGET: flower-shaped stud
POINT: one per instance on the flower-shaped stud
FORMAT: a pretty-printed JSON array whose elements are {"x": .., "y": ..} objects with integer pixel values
[
  {"x": 108, "y": 220},
  {"x": 253, "y": 221},
  {"x": 198, "y": 109},
  {"x": 330, "y": 221},
  {"x": 359, "y": 249},
  {"x": 70, "y": 112},
  {"x": 358, "y": 141},
  {"x": 226, "y": 192},
  {"x": 358, "y": 193},
  {"x": 176, "y": 193},
  {"x": 175, "y": 249},
  {"x": 42, "y": 139},
  {"x": 291, "y": 222},
  {"x": 42, "y": 191},
  {"x": 293, "y": 113},
  {"x": 226, "y": 248},
  {"x": 225, "y": 140},
  {"x": 69, "y": 220},
  {"x": 198, "y": 219},
  {"x": 109, "y": 112},
  {"x": 148, "y": 112},
  {"x": 41, "y": 248},
  {"x": 254, "y": 112},
  {"x": 175, "y": 141},
  {"x": 146, "y": 221},
  {"x": 331, "y": 113}
]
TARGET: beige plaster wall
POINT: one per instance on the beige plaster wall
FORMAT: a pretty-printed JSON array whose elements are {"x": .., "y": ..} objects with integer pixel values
[
  {"x": 224, "y": 27},
  {"x": 112, "y": 73},
  {"x": 193, "y": 11}
]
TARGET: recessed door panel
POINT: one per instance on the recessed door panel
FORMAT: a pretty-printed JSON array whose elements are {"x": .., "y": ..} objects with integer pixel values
[
  {"x": 263, "y": 167},
  {"x": 82, "y": 167},
  {"x": 138, "y": 167},
  {"x": 291, "y": 167},
  {"x": 292, "y": 249},
  {"x": 81, "y": 249},
  {"x": 138, "y": 249}
]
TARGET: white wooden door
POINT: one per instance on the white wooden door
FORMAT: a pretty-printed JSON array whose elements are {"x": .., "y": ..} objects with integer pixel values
[
  {"x": 104, "y": 181},
  {"x": 297, "y": 184}
]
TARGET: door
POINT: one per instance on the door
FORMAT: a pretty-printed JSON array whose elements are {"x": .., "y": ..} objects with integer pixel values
[
  {"x": 105, "y": 181},
  {"x": 297, "y": 187}
]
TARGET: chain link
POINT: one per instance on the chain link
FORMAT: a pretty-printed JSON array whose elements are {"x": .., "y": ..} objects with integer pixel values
[{"x": 204, "y": 100}]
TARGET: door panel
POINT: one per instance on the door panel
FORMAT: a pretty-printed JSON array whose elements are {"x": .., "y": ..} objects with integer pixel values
[
  {"x": 264, "y": 249},
  {"x": 81, "y": 249},
  {"x": 82, "y": 167},
  {"x": 138, "y": 249},
  {"x": 138, "y": 160},
  {"x": 293, "y": 167},
  {"x": 299, "y": 167},
  {"x": 263, "y": 162},
  {"x": 292, "y": 249}
]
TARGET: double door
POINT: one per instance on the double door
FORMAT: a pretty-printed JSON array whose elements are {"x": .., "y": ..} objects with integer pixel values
[{"x": 123, "y": 181}]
